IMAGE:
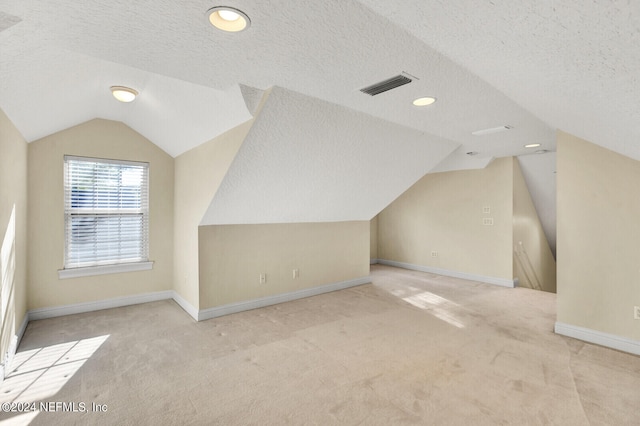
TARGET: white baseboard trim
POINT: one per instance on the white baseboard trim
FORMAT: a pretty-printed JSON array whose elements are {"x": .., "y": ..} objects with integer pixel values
[
  {"x": 188, "y": 307},
  {"x": 23, "y": 328},
  {"x": 13, "y": 347},
  {"x": 233, "y": 308},
  {"x": 373, "y": 261},
  {"x": 78, "y": 308},
  {"x": 503, "y": 282},
  {"x": 598, "y": 337},
  {"x": 57, "y": 311}
]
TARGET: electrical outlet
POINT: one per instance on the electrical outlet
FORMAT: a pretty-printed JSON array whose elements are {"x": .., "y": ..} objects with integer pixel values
[
  {"x": 434, "y": 254},
  {"x": 636, "y": 312},
  {"x": 487, "y": 221},
  {"x": 263, "y": 278}
]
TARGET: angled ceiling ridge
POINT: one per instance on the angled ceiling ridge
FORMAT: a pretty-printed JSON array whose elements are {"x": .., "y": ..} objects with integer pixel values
[
  {"x": 309, "y": 160},
  {"x": 257, "y": 107}
]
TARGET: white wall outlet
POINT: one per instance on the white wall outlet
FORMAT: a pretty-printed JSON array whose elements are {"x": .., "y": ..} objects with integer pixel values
[
  {"x": 636, "y": 312},
  {"x": 487, "y": 221},
  {"x": 263, "y": 278},
  {"x": 434, "y": 254},
  {"x": 296, "y": 273},
  {"x": 486, "y": 209}
]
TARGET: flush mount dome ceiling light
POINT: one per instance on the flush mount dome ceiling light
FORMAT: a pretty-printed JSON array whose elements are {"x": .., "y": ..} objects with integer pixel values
[
  {"x": 420, "y": 102},
  {"x": 228, "y": 19},
  {"x": 123, "y": 94}
]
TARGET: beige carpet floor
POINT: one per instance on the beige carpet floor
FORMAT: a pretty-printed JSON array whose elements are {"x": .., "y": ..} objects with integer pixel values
[{"x": 410, "y": 348}]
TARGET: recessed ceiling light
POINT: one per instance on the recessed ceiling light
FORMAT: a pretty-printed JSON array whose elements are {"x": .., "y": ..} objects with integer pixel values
[
  {"x": 228, "y": 19},
  {"x": 491, "y": 130},
  {"x": 472, "y": 153},
  {"x": 228, "y": 15},
  {"x": 542, "y": 151},
  {"x": 424, "y": 101},
  {"x": 123, "y": 94},
  {"x": 532, "y": 145}
]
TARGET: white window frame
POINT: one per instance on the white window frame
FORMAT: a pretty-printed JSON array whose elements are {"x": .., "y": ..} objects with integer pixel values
[{"x": 97, "y": 265}]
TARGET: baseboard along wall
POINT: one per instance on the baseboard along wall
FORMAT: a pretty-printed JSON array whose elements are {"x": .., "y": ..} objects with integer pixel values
[
  {"x": 198, "y": 315},
  {"x": 580, "y": 333},
  {"x": 278, "y": 298},
  {"x": 503, "y": 282},
  {"x": 598, "y": 337}
]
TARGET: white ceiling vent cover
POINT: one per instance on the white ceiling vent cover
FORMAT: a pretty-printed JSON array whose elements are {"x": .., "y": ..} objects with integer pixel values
[{"x": 388, "y": 84}]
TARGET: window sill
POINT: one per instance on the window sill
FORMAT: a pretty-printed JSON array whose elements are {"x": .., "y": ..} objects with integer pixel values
[{"x": 102, "y": 270}]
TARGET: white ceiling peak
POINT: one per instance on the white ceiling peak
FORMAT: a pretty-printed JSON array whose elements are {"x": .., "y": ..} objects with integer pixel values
[
  {"x": 286, "y": 46},
  {"x": 307, "y": 160},
  {"x": 536, "y": 66},
  {"x": 252, "y": 97},
  {"x": 174, "y": 114}
]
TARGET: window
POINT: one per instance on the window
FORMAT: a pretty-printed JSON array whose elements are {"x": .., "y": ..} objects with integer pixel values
[{"x": 106, "y": 213}]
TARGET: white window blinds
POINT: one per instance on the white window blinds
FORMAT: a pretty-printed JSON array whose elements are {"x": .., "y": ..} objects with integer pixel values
[{"x": 106, "y": 212}]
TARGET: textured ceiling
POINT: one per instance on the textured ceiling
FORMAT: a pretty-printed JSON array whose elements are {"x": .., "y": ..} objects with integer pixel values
[
  {"x": 572, "y": 63},
  {"x": 44, "y": 90},
  {"x": 328, "y": 50},
  {"x": 322, "y": 161},
  {"x": 7, "y": 21},
  {"x": 536, "y": 66}
]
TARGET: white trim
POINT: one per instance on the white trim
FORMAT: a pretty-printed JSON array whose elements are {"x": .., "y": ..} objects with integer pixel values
[
  {"x": 13, "y": 347},
  {"x": 598, "y": 337},
  {"x": 455, "y": 274},
  {"x": 104, "y": 269},
  {"x": 373, "y": 261},
  {"x": 23, "y": 328},
  {"x": 247, "y": 305},
  {"x": 188, "y": 307},
  {"x": 8, "y": 357},
  {"x": 78, "y": 308},
  {"x": 107, "y": 161}
]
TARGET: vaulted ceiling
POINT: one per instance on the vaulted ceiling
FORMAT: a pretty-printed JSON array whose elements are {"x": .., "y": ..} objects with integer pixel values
[{"x": 535, "y": 66}]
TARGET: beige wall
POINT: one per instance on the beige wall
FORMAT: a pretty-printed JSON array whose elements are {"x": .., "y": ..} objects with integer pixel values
[
  {"x": 533, "y": 263},
  {"x": 373, "y": 238},
  {"x": 13, "y": 201},
  {"x": 232, "y": 257},
  {"x": 102, "y": 139},
  {"x": 443, "y": 213},
  {"x": 198, "y": 175},
  {"x": 598, "y": 234}
]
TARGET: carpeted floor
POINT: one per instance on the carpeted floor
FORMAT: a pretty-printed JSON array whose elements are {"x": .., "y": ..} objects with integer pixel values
[{"x": 411, "y": 348}]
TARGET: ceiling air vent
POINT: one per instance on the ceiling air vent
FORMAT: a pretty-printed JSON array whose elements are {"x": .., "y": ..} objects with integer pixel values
[{"x": 388, "y": 84}]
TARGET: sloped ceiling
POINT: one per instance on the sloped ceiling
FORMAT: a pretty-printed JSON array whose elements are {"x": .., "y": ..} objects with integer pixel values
[
  {"x": 536, "y": 66},
  {"x": 327, "y": 50},
  {"x": 323, "y": 162},
  {"x": 572, "y": 63},
  {"x": 539, "y": 173},
  {"x": 47, "y": 90}
]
